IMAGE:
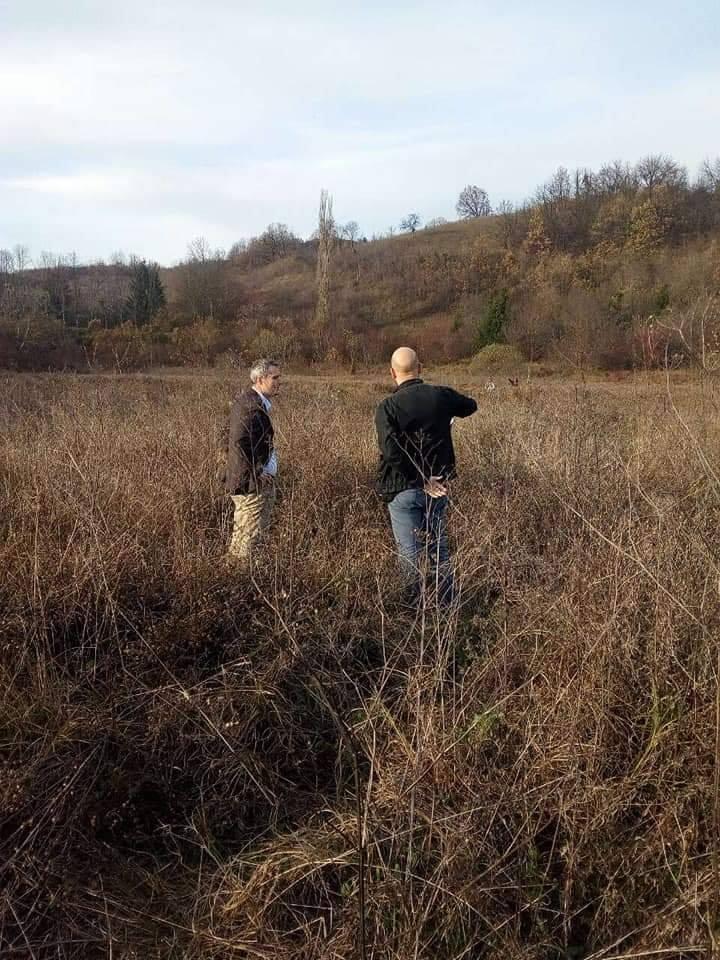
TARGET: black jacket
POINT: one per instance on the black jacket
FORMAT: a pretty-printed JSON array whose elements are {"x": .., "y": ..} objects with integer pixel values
[
  {"x": 250, "y": 443},
  {"x": 413, "y": 430}
]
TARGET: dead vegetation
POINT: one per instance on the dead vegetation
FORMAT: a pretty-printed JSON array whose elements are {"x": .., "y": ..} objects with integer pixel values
[{"x": 194, "y": 765}]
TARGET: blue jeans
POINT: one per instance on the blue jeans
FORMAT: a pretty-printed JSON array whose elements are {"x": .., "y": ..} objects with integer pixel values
[{"x": 418, "y": 524}]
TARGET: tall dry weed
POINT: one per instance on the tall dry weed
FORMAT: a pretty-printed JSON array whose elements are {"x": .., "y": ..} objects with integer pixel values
[{"x": 199, "y": 764}]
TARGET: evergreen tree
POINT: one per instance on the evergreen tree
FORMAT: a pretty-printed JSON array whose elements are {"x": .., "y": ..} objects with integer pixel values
[
  {"x": 491, "y": 328},
  {"x": 147, "y": 294}
]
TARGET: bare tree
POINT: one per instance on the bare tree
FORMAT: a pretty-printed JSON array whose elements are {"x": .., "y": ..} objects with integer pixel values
[
  {"x": 275, "y": 242},
  {"x": 22, "y": 256},
  {"x": 7, "y": 262},
  {"x": 55, "y": 278},
  {"x": 555, "y": 190},
  {"x": 583, "y": 183},
  {"x": 7, "y": 269},
  {"x": 349, "y": 231},
  {"x": 326, "y": 242},
  {"x": 15, "y": 286},
  {"x": 554, "y": 198},
  {"x": 75, "y": 285},
  {"x": 615, "y": 177},
  {"x": 411, "y": 222},
  {"x": 204, "y": 291},
  {"x": 199, "y": 250},
  {"x": 18, "y": 297},
  {"x": 710, "y": 174},
  {"x": 473, "y": 202},
  {"x": 237, "y": 250},
  {"x": 509, "y": 222},
  {"x": 658, "y": 169}
]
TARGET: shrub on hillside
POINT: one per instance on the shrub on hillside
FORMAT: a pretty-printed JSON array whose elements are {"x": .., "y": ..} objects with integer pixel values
[
  {"x": 280, "y": 339},
  {"x": 494, "y": 320},
  {"x": 496, "y": 356}
]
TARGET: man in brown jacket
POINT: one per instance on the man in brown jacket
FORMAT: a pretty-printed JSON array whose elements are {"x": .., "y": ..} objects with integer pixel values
[{"x": 251, "y": 459}]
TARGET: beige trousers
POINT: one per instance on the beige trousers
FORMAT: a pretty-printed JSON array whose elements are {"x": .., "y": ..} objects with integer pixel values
[{"x": 253, "y": 512}]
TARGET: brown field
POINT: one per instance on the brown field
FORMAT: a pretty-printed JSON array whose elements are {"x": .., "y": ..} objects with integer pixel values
[{"x": 196, "y": 764}]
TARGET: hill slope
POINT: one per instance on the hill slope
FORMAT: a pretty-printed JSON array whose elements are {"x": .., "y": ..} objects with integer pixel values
[{"x": 603, "y": 277}]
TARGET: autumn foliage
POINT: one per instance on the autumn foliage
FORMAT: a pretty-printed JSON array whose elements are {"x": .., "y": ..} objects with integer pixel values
[{"x": 587, "y": 266}]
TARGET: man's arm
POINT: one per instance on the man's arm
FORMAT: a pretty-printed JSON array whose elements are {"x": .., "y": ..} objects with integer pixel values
[
  {"x": 460, "y": 405},
  {"x": 389, "y": 444},
  {"x": 241, "y": 439}
]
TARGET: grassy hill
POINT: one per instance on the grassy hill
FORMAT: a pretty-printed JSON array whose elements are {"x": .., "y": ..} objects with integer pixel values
[{"x": 609, "y": 273}]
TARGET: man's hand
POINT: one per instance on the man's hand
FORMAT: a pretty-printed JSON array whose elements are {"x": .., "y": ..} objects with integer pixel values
[
  {"x": 435, "y": 488},
  {"x": 266, "y": 479}
]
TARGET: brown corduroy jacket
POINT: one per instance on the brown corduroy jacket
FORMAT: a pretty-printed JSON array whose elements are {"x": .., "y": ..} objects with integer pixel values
[{"x": 250, "y": 443}]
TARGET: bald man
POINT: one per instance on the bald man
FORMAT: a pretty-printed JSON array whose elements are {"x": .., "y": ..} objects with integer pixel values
[{"x": 417, "y": 460}]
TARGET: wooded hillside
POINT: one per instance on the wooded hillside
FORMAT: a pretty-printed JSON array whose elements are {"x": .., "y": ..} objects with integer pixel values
[{"x": 614, "y": 268}]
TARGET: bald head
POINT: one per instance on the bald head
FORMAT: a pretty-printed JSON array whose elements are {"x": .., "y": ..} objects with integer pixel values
[{"x": 405, "y": 363}]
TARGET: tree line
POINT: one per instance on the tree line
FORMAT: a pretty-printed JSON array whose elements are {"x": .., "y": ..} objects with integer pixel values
[{"x": 478, "y": 289}]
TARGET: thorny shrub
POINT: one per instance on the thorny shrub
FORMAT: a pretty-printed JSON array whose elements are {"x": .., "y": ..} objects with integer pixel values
[{"x": 196, "y": 763}]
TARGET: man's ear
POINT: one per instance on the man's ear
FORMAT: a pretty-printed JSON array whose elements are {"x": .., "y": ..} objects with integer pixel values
[{"x": 393, "y": 374}]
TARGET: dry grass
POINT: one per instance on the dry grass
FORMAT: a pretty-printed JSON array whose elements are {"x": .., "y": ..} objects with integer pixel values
[{"x": 194, "y": 765}]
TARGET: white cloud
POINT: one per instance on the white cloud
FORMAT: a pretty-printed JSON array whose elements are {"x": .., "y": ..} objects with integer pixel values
[
  {"x": 235, "y": 73},
  {"x": 138, "y": 123},
  {"x": 88, "y": 185}
]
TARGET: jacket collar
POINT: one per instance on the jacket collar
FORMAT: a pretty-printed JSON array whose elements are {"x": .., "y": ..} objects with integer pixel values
[
  {"x": 263, "y": 400},
  {"x": 408, "y": 383},
  {"x": 251, "y": 396}
]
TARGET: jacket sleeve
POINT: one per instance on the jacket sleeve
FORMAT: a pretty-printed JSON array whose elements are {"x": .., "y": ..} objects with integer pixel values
[
  {"x": 241, "y": 439},
  {"x": 390, "y": 449},
  {"x": 460, "y": 405}
]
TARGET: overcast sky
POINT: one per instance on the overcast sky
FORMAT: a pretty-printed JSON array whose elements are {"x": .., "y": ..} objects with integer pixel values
[{"x": 138, "y": 126}]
